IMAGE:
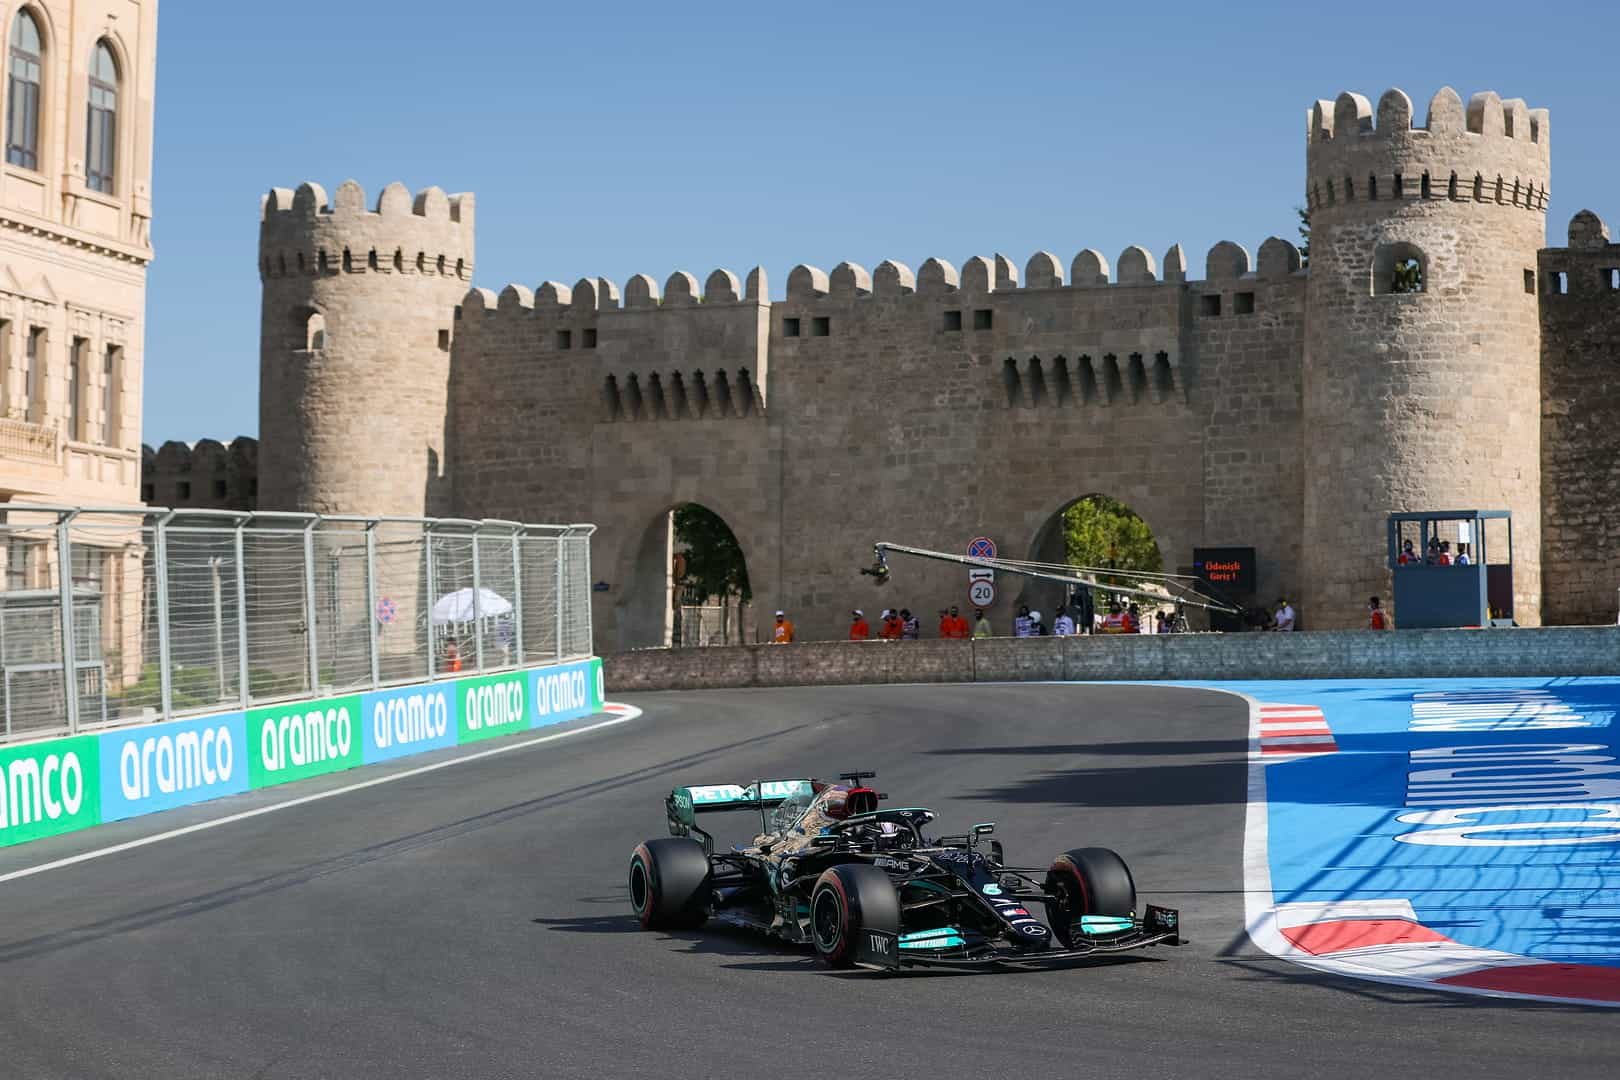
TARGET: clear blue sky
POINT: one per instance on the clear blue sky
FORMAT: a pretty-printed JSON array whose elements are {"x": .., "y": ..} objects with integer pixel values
[{"x": 621, "y": 138}]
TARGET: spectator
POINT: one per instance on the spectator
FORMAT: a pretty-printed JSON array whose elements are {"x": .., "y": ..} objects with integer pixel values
[
  {"x": 1408, "y": 557},
  {"x": 1021, "y": 625},
  {"x": 1376, "y": 619},
  {"x": 452, "y": 654},
  {"x": 1463, "y": 558},
  {"x": 1133, "y": 619},
  {"x": 1432, "y": 556},
  {"x": 1063, "y": 625},
  {"x": 1285, "y": 618},
  {"x": 1036, "y": 627},
  {"x": 954, "y": 626},
  {"x": 782, "y": 632},
  {"x": 859, "y": 628},
  {"x": 910, "y": 627},
  {"x": 892, "y": 626},
  {"x": 1115, "y": 621},
  {"x": 1445, "y": 553},
  {"x": 1161, "y": 622},
  {"x": 981, "y": 625}
]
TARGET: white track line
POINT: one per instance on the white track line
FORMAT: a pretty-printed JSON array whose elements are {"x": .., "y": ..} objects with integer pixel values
[{"x": 624, "y": 713}]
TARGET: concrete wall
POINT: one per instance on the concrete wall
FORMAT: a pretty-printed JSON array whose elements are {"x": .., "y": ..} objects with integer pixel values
[{"x": 1333, "y": 654}]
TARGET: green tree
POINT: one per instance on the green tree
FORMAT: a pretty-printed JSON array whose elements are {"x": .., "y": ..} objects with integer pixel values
[
  {"x": 1304, "y": 235},
  {"x": 714, "y": 559},
  {"x": 1103, "y": 532}
]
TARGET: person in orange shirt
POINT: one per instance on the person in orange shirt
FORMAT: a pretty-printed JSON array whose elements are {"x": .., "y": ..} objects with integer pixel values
[
  {"x": 954, "y": 626},
  {"x": 782, "y": 633},
  {"x": 892, "y": 626},
  {"x": 859, "y": 630}
]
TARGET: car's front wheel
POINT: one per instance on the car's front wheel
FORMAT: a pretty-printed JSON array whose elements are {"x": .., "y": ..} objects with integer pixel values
[
  {"x": 670, "y": 883},
  {"x": 846, "y": 900},
  {"x": 1087, "y": 881}
]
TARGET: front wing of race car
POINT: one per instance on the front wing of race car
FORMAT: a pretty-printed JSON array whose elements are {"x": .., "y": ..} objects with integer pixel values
[{"x": 883, "y": 951}]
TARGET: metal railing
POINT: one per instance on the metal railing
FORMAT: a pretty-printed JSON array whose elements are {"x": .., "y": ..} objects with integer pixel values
[
  {"x": 29, "y": 441},
  {"x": 115, "y": 615}
]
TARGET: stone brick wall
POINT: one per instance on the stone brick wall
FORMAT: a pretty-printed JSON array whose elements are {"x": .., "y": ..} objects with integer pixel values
[
  {"x": 1580, "y": 419},
  {"x": 1405, "y": 654}
]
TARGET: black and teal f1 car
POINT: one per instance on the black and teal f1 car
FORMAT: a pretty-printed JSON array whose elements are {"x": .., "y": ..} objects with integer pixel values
[{"x": 864, "y": 886}]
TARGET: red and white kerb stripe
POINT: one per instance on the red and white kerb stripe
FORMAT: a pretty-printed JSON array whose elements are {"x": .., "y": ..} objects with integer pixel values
[{"x": 1291, "y": 731}]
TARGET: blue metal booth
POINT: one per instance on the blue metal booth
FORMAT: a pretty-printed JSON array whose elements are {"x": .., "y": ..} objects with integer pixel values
[{"x": 1445, "y": 575}]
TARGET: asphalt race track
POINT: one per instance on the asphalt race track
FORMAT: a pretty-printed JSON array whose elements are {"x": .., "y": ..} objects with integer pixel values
[{"x": 472, "y": 921}]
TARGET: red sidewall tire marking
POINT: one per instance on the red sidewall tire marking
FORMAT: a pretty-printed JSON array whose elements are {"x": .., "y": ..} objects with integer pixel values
[{"x": 644, "y": 857}]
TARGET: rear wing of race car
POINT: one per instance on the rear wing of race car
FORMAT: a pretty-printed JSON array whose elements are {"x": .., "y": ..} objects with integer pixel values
[{"x": 684, "y": 803}]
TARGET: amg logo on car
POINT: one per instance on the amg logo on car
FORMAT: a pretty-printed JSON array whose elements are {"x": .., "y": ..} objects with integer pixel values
[{"x": 36, "y": 788}]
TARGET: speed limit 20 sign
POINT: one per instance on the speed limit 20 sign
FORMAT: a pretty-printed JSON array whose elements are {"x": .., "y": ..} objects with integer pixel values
[{"x": 982, "y": 593}]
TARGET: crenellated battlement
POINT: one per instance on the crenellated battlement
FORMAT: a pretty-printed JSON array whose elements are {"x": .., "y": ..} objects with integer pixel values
[
  {"x": 851, "y": 283},
  {"x": 302, "y": 234},
  {"x": 1489, "y": 151}
]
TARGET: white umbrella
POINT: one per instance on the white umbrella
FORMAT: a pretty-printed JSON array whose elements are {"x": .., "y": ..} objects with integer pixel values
[{"x": 457, "y": 607}]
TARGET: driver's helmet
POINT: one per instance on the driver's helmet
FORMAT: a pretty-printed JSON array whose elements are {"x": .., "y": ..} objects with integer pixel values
[{"x": 888, "y": 836}]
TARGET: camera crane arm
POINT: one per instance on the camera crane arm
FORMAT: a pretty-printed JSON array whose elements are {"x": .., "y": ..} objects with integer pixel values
[{"x": 1181, "y": 589}]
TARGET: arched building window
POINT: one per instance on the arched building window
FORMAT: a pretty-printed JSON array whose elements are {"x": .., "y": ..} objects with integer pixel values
[
  {"x": 26, "y": 58},
  {"x": 101, "y": 128},
  {"x": 1399, "y": 268},
  {"x": 315, "y": 332}
]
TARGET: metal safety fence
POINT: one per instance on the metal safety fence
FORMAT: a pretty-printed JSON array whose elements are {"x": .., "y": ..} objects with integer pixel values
[{"x": 124, "y": 615}]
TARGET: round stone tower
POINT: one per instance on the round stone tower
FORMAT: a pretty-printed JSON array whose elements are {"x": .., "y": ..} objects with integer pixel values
[
  {"x": 359, "y": 309},
  {"x": 1422, "y": 347}
]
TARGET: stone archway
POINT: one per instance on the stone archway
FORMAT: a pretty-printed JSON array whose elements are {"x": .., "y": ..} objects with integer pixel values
[
  {"x": 647, "y": 608},
  {"x": 1050, "y": 544}
]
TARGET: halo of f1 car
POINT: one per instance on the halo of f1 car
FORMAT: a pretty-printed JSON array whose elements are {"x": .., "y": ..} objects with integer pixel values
[{"x": 866, "y": 888}]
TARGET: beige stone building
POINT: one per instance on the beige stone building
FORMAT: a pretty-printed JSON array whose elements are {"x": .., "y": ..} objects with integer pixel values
[
  {"x": 1433, "y": 355},
  {"x": 75, "y": 242}
]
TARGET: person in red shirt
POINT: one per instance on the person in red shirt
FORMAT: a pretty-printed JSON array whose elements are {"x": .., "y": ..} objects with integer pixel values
[
  {"x": 859, "y": 630},
  {"x": 892, "y": 626},
  {"x": 954, "y": 626},
  {"x": 1376, "y": 619}
]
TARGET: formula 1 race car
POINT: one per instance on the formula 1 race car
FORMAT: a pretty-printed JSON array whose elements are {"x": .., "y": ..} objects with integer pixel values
[{"x": 865, "y": 887}]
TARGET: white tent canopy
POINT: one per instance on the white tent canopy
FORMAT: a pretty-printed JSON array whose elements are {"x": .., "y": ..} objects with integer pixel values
[{"x": 457, "y": 607}]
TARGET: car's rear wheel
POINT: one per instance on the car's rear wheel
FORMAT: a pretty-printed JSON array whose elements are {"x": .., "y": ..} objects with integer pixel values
[
  {"x": 1088, "y": 881},
  {"x": 846, "y": 900},
  {"x": 670, "y": 883}
]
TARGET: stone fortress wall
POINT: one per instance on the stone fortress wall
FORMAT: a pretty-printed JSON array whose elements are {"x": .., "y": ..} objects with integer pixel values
[{"x": 1261, "y": 404}]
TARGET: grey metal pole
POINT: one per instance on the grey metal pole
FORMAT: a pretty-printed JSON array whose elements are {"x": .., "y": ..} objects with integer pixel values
[
  {"x": 371, "y": 600},
  {"x": 478, "y": 608},
  {"x": 165, "y": 678},
  {"x": 590, "y": 638},
  {"x": 64, "y": 575},
  {"x": 517, "y": 599},
  {"x": 309, "y": 608},
  {"x": 219, "y": 624},
  {"x": 557, "y": 600},
  {"x": 245, "y": 688},
  {"x": 431, "y": 591}
]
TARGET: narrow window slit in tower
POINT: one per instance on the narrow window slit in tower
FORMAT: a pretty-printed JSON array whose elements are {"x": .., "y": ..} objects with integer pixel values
[
  {"x": 655, "y": 397},
  {"x": 1530, "y": 282},
  {"x": 565, "y": 340},
  {"x": 1009, "y": 381},
  {"x": 953, "y": 321},
  {"x": 632, "y": 398},
  {"x": 1114, "y": 380},
  {"x": 1062, "y": 384},
  {"x": 1349, "y": 190},
  {"x": 983, "y": 319},
  {"x": 1372, "y": 188},
  {"x": 1137, "y": 371},
  {"x": 1451, "y": 188},
  {"x": 1558, "y": 283},
  {"x": 610, "y": 398},
  {"x": 699, "y": 394},
  {"x": 444, "y": 341},
  {"x": 1037, "y": 382},
  {"x": 1611, "y": 279},
  {"x": 745, "y": 393},
  {"x": 348, "y": 261},
  {"x": 371, "y": 260},
  {"x": 1243, "y": 303},
  {"x": 1088, "y": 380},
  {"x": 1423, "y": 186},
  {"x": 790, "y": 327},
  {"x": 820, "y": 326},
  {"x": 1400, "y": 187},
  {"x": 722, "y": 393},
  {"x": 587, "y": 338},
  {"x": 1163, "y": 376},
  {"x": 1210, "y": 306}
]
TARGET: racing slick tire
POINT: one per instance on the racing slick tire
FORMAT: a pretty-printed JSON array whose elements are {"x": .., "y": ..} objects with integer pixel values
[
  {"x": 846, "y": 900},
  {"x": 1087, "y": 881},
  {"x": 670, "y": 884}
]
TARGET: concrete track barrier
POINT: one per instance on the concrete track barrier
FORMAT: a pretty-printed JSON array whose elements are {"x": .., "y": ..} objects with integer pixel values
[{"x": 1572, "y": 650}]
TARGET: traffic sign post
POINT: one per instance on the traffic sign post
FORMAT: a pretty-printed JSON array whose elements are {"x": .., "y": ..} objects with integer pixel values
[
  {"x": 980, "y": 573},
  {"x": 981, "y": 547},
  {"x": 982, "y": 593}
]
